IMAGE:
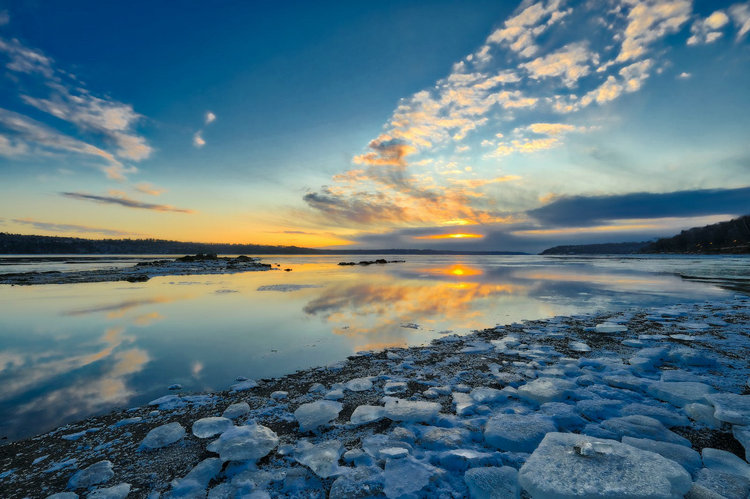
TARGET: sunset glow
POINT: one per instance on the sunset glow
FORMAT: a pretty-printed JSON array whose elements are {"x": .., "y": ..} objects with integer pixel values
[{"x": 451, "y": 236}]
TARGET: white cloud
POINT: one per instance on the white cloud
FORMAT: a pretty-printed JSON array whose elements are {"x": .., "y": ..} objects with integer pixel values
[
  {"x": 25, "y": 60},
  {"x": 740, "y": 13},
  {"x": 198, "y": 140},
  {"x": 707, "y": 30},
  {"x": 684, "y": 75},
  {"x": 12, "y": 147},
  {"x": 569, "y": 63},
  {"x": 650, "y": 20},
  {"x": 210, "y": 117},
  {"x": 520, "y": 31}
]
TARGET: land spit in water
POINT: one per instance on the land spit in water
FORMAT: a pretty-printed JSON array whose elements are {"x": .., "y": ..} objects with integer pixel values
[
  {"x": 143, "y": 271},
  {"x": 641, "y": 403}
]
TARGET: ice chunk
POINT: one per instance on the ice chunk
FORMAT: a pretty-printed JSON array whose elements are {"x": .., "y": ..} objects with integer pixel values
[
  {"x": 610, "y": 327},
  {"x": 243, "y": 385},
  {"x": 198, "y": 478},
  {"x": 63, "y": 495},
  {"x": 517, "y": 432},
  {"x": 567, "y": 465},
  {"x": 628, "y": 381},
  {"x": 703, "y": 413},
  {"x": 209, "y": 427},
  {"x": 279, "y": 395},
  {"x": 375, "y": 443},
  {"x": 464, "y": 403},
  {"x": 563, "y": 415},
  {"x": 316, "y": 388},
  {"x": 95, "y": 474},
  {"x": 120, "y": 491},
  {"x": 316, "y": 414},
  {"x": 579, "y": 346},
  {"x": 742, "y": 435},
  {"x": 598, "y": 409},
  {"x": 236, "y": 410},
  {"x": 643, "y": 427},
  {"x": 163, "y": 435},
  {"x": 731, "y": 407},
  {"x": 365, "y": 414},
  {"x": 648, "y": 359},
  {"x": 725, "y": 462},
  {"x": 684, "y": 456},
  {"x": 322, "y": 458},
  {"x": 361, "y": 482},
  {"x": 713, "y": 484},
  {"x": 434, "y": 437},
  {"x": 462, "y": 459},
  {"x": 543, "y": 390},
  {"x": 406, "y": 476},
  {"x": 359, "y": 384},
  {"x": 393, "y": 453},
  {"x": 485, "y": 395},
  {"x": 335, "y": 394},
  {"x": 493, "y": 483},
  {"x": 414, "y": 411},
  {"x": 240, "y": 443},
  {"x": 665, "y": 416},
  {"x": 392, "y": 387},
  {"x": 680, "y": 393}
]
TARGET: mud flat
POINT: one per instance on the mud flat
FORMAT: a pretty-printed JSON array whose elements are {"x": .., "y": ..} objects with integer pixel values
[
  {"x": 142, "y": 271},
  {"x": 640, "y": 403}
]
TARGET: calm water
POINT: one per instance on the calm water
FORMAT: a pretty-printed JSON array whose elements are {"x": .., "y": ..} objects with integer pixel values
[{"x": 70, "y": 351}]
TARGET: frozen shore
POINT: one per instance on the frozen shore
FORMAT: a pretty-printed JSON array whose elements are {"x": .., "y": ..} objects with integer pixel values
[
  {"x": 143, "y": 271},
  {"x": 642, "y": 403}
]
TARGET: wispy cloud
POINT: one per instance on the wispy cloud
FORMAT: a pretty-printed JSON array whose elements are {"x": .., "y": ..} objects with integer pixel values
[
  {"x": 150, "y": 189},
  {"x": 58, "y": 227},
  {"x": 123, "y": 201},
  {"x": 66, "y": 99},
  {"x": 741, "y": 16},
  {"x": 198, "y": 140}
]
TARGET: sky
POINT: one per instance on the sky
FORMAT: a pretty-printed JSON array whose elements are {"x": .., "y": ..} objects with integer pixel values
[{"x": 477, "y": 125}]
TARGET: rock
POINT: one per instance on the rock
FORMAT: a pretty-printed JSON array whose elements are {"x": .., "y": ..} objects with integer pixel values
[
  {"x": 406, "y": 476},
  {"x": 680, "y": 393},
  {"x": 682, "y": 455},
  {"x": 731, "y": 407},
  {"x": 316, "y": 414},
  {"x": 726, "y": 462},
  {"x": 413, "y": 411},
  {"x": 567, "y": 465},
  {"x": 209, "y": 427},
  {"x": 542, "y": 390},
  {"x": 120, "y": 491},
  {"x": 236, "y": 410},
  {"x": 517, "y": 432},
  {"x": 643, "y": 427},
  {"x": 93, "y": 475},
  {"x": 163, "y": 435},
  {"x": 365, "y": 414},
  {"x": 322, "y": 458},
  {"x": 492, "y": 483},
  {"x": 242, "y": 443}
]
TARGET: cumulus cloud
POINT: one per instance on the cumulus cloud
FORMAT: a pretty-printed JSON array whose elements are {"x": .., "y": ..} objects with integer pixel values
[
  {"x": 520, "y": 31},
  {"x": 123, "y": 201},
  {"x": 210, "y": 117},
  {"x": 708, "y": 30},
  {"x": 570, "y": 63},
  {"x": 58, "y": 227},
  {"x": 650, "y": 20},
  {"x": 198, "y": 140}
]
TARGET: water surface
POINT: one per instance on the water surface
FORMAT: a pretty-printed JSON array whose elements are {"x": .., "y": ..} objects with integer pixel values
[{"x": 70, "y": 351}]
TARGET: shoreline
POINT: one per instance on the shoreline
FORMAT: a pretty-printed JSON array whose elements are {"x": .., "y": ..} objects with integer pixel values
[
  {"x": 141, "y": 271},
  {"x": 476, "y": 380}
]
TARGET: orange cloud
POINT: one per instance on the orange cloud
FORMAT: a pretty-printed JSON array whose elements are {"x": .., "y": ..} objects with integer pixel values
[{"x": 451, "y": 236}]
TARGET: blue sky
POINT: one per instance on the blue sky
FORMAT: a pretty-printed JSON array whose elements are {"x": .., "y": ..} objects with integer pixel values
[{"x": 389, "y": 124}]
